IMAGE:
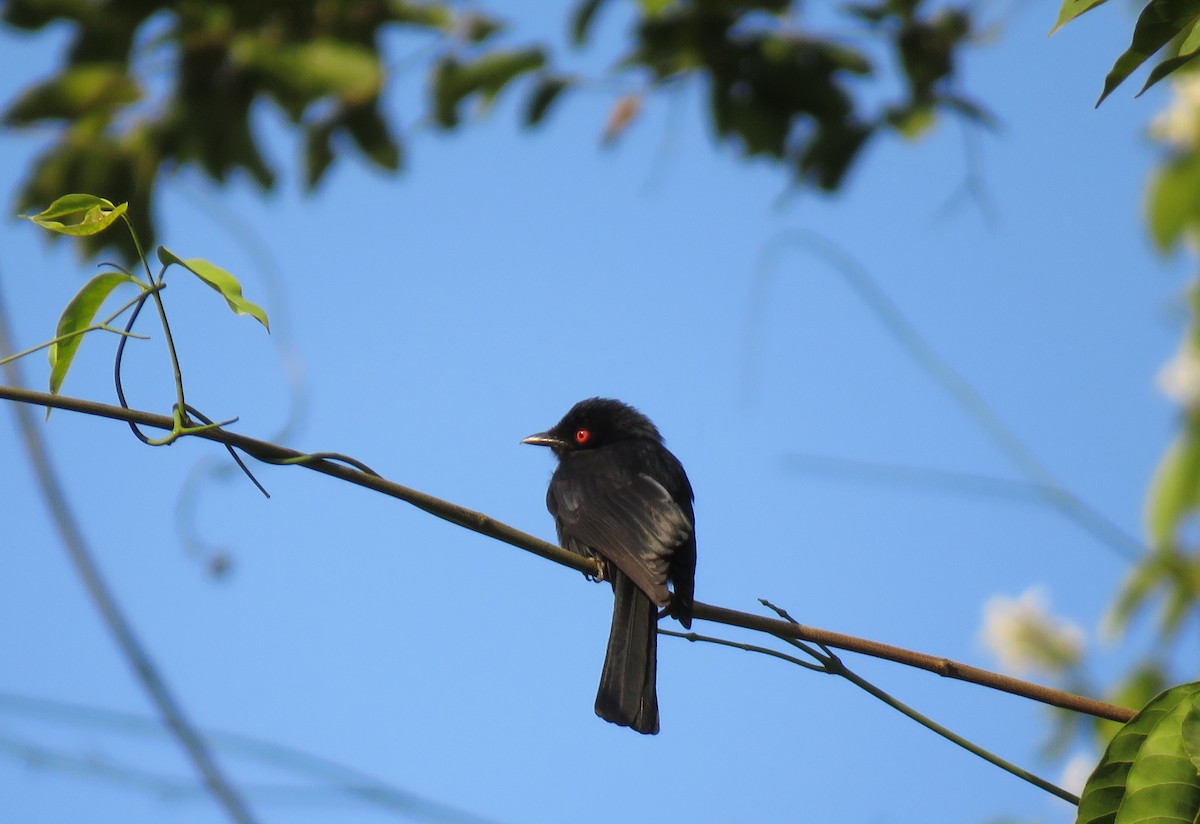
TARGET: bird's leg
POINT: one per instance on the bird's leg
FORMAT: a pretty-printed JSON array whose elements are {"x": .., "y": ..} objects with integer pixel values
[{"x": 603, "y": 576}]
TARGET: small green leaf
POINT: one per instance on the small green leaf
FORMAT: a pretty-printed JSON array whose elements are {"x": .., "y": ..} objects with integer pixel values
[
  {"x": 78, "y": 316},
  {"x": 1173, "y": 201},
  {"x": 1158, "y": 23},
  {"x": 79, "y": 91},
  {"x": 581, "y": 20},
  {"x": 78, "y": 215},
  {"x": 1146, "y": 773},
  {"x": 220, "y": 280},
  {"x": 1175, "y": 490},
  {"x": 454, "y": 81},
  {"x": 546, "y": 92},
  {"x": 1072, "y": 9},
  {"x": 912, "y": 121},
  {"x": 315, "y": 68},
  {"x": 1188, "y": 50}
]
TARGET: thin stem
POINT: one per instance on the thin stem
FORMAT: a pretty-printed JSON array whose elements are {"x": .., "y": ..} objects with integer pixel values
[
  {"x": 166, "y": 326},
  {"x": 485, "y": 525},
  {"x": 101, "y": 326},
  {"x": 832, "y": 665},
  {"x": 898, "y": 326}
]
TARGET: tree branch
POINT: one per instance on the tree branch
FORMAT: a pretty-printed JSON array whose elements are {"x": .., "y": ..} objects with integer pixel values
[{"x": 478, "y": 522}]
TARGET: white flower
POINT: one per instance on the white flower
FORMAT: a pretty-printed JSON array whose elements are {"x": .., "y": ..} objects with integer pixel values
[
  {"x": 1024, "y": 636},
  {"x": 1179, "y": 124},
  {"x": 1179, "y": 378}
]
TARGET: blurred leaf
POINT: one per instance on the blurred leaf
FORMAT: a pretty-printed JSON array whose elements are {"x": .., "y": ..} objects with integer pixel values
[
  {"x": 372, "y": 136},
  {"x": 1072, "y": 9},
  {"x": 220, "y": 280},
  {"x": 970, "y": 110},
  {"x": 78, "y": 315},
  {"x": 1173, "y": 201},
  {"x": 91, "y": 89},
  {"x": 652, "y": 8},
  {"x": 454, "y": 81},
  {"x": 913, "y": 121},
  {"x": 546, "y": 91},
  {"x": 1145, "y": 774},
  {"x": 475, "y": 28},
  {"x": 829, "y": 154},
  {"x": 623, "y": 112},
  {"x": 581, "y": 20},
  {"x": 78, "y": 215},
  {"x": 426, "y": 15},
  {"x": 1175, "y": 489},
  {"x": 318, "y": 150},
  {"x": 309, "y": 71},
  {"x": 927, "y": 49},
  {"x": 1158, "y": 23}
]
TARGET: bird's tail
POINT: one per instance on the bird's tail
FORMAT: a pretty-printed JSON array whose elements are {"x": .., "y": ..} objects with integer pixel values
[{"x": 627, "y": 693}]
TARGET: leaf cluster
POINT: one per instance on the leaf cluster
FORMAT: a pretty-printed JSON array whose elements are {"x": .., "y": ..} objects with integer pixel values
[
  {"x": 1161, "y": 22},
  {"x": 150, "y": 86}
]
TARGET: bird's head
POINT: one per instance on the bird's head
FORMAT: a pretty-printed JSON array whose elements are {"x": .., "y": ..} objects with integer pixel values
[{"x": 593, "y": 423}]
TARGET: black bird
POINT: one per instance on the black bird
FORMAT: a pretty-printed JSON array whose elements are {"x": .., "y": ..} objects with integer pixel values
[{"x": 620, "y": 496}]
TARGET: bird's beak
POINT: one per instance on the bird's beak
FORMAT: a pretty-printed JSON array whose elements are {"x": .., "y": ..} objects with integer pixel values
[{"x": 544, "y": 439}]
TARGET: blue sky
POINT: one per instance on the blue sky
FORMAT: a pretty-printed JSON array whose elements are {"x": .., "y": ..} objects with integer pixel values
[{"x": 441, "y": 315}]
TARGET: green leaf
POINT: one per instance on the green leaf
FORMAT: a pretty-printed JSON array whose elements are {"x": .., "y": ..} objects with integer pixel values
[
  {"x": 546, "y": 92},
  {"x": 78, "y": 215},
  {"x": 581, "y": 20},
  {"x": 85, "y": 90},
  {"x": 1158, "y": 23},
  {"x": 1190, "y": 733},
  {"x": 424, "y": 15},
  {"x": 370, "y": 132},
  {"x": 1173, "y": 201},
  {"x": 1146, "y": 773},
  {"x": 1188, "y": 50},
  {"x": 78, "y": 316},
  {"x": 220, "y": 280},
  {"x": 1072, "y": 9},
  {"x": 454, "y": 81},
  {"x": 316, "y": 68},
  {"x": 1175, "y": 490},
  {"x": 912, "y": 121}
]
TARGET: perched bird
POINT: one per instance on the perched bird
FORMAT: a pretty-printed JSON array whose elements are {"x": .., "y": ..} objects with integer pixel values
[{"x": 618, "y": 495}]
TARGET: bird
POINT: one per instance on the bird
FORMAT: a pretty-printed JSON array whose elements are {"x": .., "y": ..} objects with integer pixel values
[{"x": 620, "y": 496}]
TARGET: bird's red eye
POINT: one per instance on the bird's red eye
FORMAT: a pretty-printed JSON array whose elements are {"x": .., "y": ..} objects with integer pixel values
[{"x": 582, "y": 436}]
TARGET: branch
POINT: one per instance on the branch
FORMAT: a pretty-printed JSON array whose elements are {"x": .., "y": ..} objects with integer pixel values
[{"x": 478, "y": 522}]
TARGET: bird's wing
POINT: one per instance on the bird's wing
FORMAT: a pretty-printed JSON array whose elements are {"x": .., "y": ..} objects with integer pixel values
[{"x": 634, "y": 524}]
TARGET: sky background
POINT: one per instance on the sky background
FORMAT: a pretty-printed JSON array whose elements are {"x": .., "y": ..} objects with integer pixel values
[{"x": 439, "y": 316}]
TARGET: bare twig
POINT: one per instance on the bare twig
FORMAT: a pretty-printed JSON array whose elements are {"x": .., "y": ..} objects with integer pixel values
[
  {"x": 478, "y": 522},
  {"x": 889, "y": 316}
]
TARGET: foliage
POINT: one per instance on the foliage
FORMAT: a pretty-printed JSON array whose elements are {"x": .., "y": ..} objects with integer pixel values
[
  {"x": 1151, "y": 769},
  {"x": 1160, "y": 23},
  {"x": 84, "y": 216},
  {"x": 776, "y": 88}
]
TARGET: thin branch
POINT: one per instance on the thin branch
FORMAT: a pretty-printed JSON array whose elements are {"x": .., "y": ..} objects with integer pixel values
[
  {"x": 334, "y": 777},
  {"x": 830, "y": 664},
  {"x": 122, "y": 631},
  {"x": 889, "y": 316},
  {"x": 478, "y": 522}
]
